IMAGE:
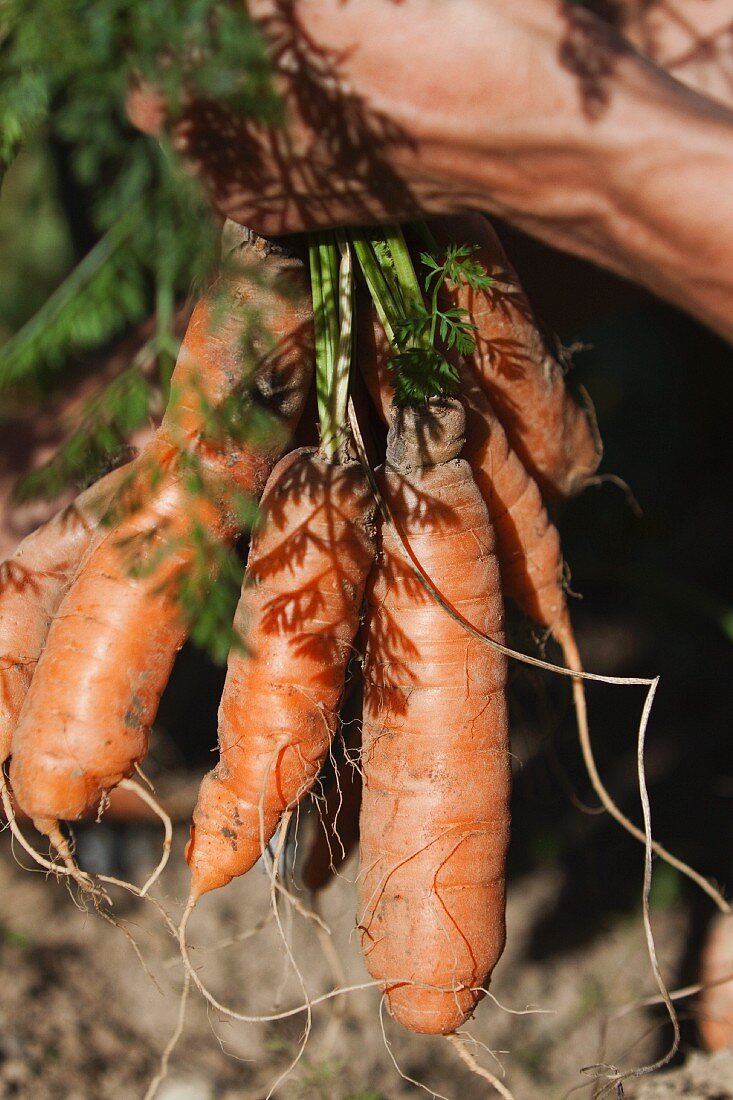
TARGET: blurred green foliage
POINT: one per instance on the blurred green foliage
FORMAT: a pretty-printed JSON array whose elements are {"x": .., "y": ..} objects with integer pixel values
[
  {"x": 35, "y": 246},
  {"x": 66, "y": 69},
  {"x": 102, "y": 226}
]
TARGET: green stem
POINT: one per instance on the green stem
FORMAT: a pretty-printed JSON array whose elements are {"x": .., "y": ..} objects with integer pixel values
[
  {"x": 404, "y": 271},
  {"x": 332, "y": 288},
  {"x": 322, "y": 346},
  {"x": 387, "y": 306},
  {"x": 385, "y": 260},
  {"x": 434, "y": 305},
  {"x": 420, "y": 369}
]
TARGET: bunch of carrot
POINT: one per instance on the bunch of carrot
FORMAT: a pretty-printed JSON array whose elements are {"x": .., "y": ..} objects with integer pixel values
[{"x": 411, "y": 564}]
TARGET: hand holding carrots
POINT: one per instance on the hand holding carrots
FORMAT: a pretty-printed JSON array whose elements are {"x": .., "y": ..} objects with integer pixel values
[{"x": 537, "y": 112}]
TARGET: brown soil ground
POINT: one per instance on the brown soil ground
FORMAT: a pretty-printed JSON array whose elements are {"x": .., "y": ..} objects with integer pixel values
[{"x": 80, "y": 1020}]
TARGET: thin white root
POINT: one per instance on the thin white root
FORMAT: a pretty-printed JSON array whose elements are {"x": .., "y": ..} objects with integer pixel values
[
  {"x": 331, "y": 955},
  {"x": 219, "y": 945},
  {"x": 518, "y": 1011},
  {"x": 9, "y": 809},
  {"x": 287, "y": 1013},
  {"x": 338, "y": 978},
  {"x": 674, "y": 995},
  {"x": 272, "y": 871},
  {"x": 144, "y": 778},
  {"x": 149, "y": 799},
  {"x": 81, "y": 878},
  {"x": 119, "y": 926},
  {"x": 284, "y": 825},
  {"x": 613, "y": 1076},
  {"x": 88, "y": 881},
  {"x": 171, "y": 1044},
  {"x": 572, "y": 657},
  {"x": 401, "y": 1072},
  {"x": 89, "y": 884},
  {"x": 460, "y": 1048},
  {"x": 303, "y": 910}
]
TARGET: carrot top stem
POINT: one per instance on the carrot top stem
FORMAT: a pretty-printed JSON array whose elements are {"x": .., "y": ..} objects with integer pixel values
[
  {"x": 332, "y": 283},
  {"x": 421, "y": 369}
]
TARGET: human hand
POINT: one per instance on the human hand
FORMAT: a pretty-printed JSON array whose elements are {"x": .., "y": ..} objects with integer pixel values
[{"x": 539, "y": 113}]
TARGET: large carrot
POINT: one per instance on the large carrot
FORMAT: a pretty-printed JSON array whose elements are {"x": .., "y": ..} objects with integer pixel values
[
  {"x": 435, "y": 808},
  {"x": 32, "y": 584},
  {"x": 555, "y": 437},
  {"x": 300, "y": 607},
  {"x": 109, "y": 652}
]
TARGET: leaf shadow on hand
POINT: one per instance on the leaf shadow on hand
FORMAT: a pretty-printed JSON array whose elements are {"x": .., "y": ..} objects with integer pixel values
[
  {"x": 591, "y": 49},
  {"x": 332, "y": 154},
  {"x": 593, "y": 44}
]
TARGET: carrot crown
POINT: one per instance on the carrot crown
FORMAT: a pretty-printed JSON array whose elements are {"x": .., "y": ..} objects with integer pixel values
[{"x": 426, "y": 435}]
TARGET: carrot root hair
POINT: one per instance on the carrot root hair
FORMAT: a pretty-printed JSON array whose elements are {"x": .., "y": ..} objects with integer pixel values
[
  {"x": 91, "y": 884},
  {"x": 458, "y": 1043},
  {"x": 571, "y": 654},
  {"x": 70, "y": 867},
  {"x": 18, "y": 835},
  {"x": 147, "y": 797},
  {"x": 81, "y": 878},
  {"x": 170, "y": 1046}
]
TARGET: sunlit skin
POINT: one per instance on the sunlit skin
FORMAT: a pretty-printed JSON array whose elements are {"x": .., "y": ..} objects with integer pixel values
[
  {"x": 535, "y": 111},
  {"x": 692, "y": 39}
]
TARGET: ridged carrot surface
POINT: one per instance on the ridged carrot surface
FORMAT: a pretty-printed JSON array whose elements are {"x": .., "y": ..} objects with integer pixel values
[
  {"x": 81, "y": 731},
  {"x": 556, "y": 438},
  {"x": 299, "y": 612},
  {"x": 435, "y": 806},
  {"x": 108, "y": 655},
  {"x": 32, "y": 584},
  {"x": 528, "y": 542}
]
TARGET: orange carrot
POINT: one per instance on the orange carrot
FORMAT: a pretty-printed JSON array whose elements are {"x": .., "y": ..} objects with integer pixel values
[
  {"x": 556, "y": 439},
  {"x": 300, "y": 609},
  {"x": 32, "y": 584},
  {"x": 109, "y": 652},
  {"x": 528, "y": 542},
  {"x": 85, "y": 721},
  {"x": 435, "y": 805}
]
